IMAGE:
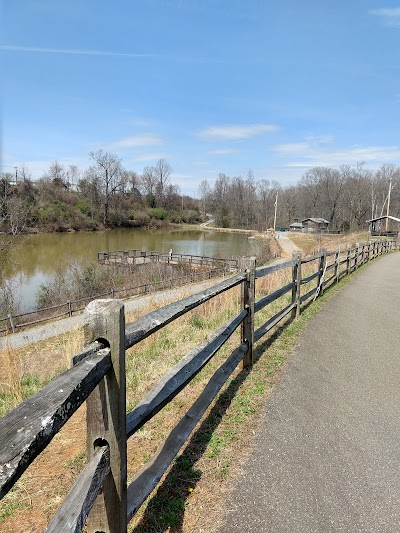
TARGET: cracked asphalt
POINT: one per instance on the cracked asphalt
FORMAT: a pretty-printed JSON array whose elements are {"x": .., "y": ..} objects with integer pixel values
[{"x": 326, "y": 455}]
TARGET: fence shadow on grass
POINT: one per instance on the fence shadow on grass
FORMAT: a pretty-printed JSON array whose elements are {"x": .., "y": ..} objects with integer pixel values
[{"x": 166, "y": 508}]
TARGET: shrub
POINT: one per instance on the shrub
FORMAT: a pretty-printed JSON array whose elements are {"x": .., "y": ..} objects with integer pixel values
[{"x": 158, "y": 213}]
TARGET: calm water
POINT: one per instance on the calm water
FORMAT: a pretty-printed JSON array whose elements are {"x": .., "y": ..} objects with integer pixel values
[{"x": 37, "y": 257}]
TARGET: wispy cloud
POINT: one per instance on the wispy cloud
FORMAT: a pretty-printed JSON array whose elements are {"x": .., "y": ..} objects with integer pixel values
[
  {"x": 71, "y": 51},
  {"x": 137, "y": 141},
  {"x": 234, "y": 132},
  {"x": 222, "y": 151},
  {"x": 152, "y": 157},
  {"x": 390, "y": 15},
  {"x": 316, "y": 152}
]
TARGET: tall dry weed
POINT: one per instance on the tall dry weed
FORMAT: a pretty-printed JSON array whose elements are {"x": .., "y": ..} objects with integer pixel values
[{"x": 11, "y": 374}]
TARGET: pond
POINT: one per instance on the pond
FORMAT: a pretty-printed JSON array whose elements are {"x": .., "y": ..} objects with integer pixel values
[{"x": 36, "y": 258}]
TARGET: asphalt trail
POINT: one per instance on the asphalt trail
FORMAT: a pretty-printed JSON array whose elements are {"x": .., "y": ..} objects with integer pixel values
[{"x": 326, "y": 456}]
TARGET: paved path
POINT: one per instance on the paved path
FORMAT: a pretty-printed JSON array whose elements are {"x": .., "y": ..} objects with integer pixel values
[
  {"x": 209, "y": 221},
  {"x": 326, "y": 457},
  {"x": 287, "y": 245}
]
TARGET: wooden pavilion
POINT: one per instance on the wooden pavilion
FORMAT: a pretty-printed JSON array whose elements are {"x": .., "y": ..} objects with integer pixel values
[{"x": 385, "y": 225}]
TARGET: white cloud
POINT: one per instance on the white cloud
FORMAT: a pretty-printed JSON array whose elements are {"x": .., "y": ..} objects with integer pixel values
[
  {"x": 70, "y": 51},
  {"x": 150, "y": 157},
  {"x": 390, "y": 16},
  {"x": 137, "y": 141},
  {"x": 315, "y": 152},
  {"x": 234, "y": 132}
]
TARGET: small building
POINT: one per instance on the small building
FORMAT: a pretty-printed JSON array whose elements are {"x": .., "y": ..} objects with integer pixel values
[
  {"x": 384, "y": 226},
  {"x": 296, "y": 226},
  {"x": 316, "y": 225}
]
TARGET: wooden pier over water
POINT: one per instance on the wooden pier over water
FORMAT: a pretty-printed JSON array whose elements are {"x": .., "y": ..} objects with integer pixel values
[{"x": 142, "y": 257}]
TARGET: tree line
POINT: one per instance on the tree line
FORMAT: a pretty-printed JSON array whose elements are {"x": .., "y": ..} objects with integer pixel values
[
  {"x": 106, "y": 194},
  {"x": 347, "y": 197},
  {"x": 103, "y": 195}
]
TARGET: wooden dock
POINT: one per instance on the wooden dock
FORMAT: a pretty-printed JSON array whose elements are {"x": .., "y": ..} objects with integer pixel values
[{"x": 142, "y": 257}]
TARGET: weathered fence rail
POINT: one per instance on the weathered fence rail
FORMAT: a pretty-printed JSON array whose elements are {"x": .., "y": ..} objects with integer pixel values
[
  {"x": 13, "y": 323},
  {"x": 208, "y": 268},
  {"x": 101, "y": 497}
]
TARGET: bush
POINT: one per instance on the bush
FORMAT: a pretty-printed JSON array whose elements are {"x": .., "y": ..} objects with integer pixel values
[
  {"x": 82, "y": 206},
  {"x": 73, "y": 281},
  {"x": 140, "y": 219},
  {"x": 159, "y": 213},
  {"x": 78, "y": 280}
]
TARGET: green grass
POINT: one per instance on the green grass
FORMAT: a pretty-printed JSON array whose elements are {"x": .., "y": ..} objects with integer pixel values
[
  {"x": 29, "y": 385},
  {"x": 77, "y": 462},
  {"x": 13, "y": 502},
  {"x": 9, "y": 508}
]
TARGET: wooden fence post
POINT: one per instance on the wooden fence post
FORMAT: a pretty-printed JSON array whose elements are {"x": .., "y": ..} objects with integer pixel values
[
  {"x": 337, "y": 264},
  {"x": 348, "y": 260},
  {"x": 106, "y": 415},
  {"x": 356, "y": 256},
  {"x": 248, "y": 265},
  {"x": 321, "y": 271},
  {"x": 11, "y": 323},
  {"x": 362, "y": 254},
  {"x": 296, "y": 279}
]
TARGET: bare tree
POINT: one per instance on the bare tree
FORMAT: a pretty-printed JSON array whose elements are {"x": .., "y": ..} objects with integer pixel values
[
  {"x": 73, "y": 176},
  {"x": 110, "y": 172},
  {"x": 57, "y": 174},
  {"x": 13, "y": 215},
  {"x": 162, "y": 173},
  {"x": 204, "y": 193},
  {"x": 90, "y": 188},
  {"x": 24, "y": 173},
  {"x": 148, "y": 183}
]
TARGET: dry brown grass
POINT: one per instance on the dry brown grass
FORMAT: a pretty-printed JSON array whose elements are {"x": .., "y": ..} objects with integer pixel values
[{"x": 312, "y": 242}]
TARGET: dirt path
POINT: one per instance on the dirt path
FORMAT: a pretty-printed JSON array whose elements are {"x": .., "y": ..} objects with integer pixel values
[{"x": 326, "y": 454}]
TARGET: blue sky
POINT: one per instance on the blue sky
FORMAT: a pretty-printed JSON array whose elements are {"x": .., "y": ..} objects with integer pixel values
[{"x": 210, "y": 85}]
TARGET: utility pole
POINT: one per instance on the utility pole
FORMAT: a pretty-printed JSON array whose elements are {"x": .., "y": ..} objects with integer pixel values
[
  {"x": 16, "y": 175},
  {"x": 276, "y": 207},
  {"x": 388, "y": 206}
]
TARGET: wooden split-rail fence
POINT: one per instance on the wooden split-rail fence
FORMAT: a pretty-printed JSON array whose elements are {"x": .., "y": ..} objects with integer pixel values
[
  {"x": 100, "y": 496},
  {"x": 16, "y": 322},
  {"x": 142, "y": 257}
]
